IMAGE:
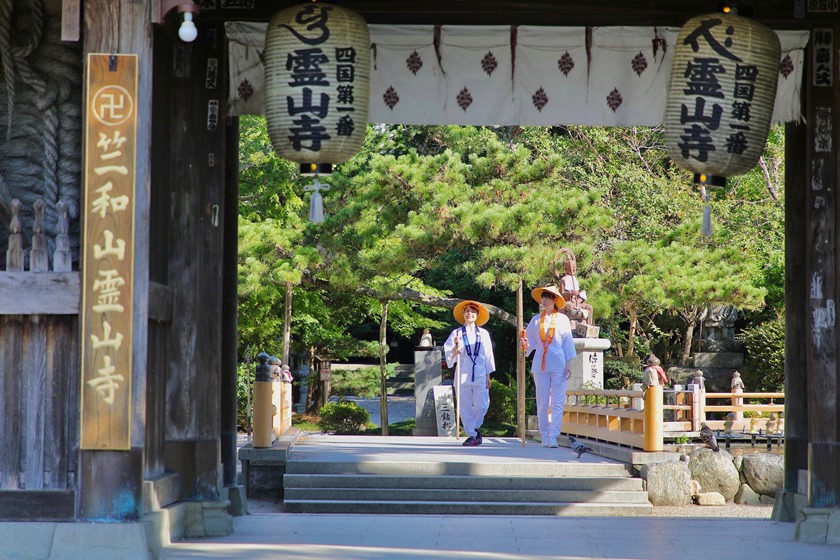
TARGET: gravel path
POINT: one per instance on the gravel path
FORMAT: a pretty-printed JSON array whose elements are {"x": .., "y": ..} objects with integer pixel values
[{"x": 729, "y": 510}]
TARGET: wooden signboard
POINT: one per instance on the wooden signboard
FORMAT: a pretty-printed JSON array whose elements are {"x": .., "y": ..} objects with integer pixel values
[{"x": 108, "y": 249}]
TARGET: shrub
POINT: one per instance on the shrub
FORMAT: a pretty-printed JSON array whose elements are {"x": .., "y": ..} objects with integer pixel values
[
  {"x": 765, "y": 363},
  {"x": 243, "y": 373},
  {"x": 343, "y": 418},
  {"x": 363, "y": 382},
  {"x": 619, "y": 374},
  {"x": 502, "y": 403}
]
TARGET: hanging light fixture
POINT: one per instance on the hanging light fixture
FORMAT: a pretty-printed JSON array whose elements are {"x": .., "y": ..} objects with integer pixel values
[
  {"x": 720, "y": 98},
  {"x": 187, "y": 31}
]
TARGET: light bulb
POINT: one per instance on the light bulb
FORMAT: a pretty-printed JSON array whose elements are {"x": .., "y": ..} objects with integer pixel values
[{"x": 188, "y": 32}]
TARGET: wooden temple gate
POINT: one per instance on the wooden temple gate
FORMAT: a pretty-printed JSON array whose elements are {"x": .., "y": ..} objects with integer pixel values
[{"x": 183, "y": 326}]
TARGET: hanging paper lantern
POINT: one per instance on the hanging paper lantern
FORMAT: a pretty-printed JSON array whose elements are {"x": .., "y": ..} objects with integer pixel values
[
  {"x": 317, "y": 77},
  {"x": 721, "y": 95}
]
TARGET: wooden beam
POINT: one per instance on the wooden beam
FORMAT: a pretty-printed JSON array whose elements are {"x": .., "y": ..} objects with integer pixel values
[
  {"x": 39, "y": 293},
  {"x": 778, "y": 14},
  {"x": 71, "y": 20},
  {"x": 37, "y": 505},
  {"x": 160, "y": 303}
]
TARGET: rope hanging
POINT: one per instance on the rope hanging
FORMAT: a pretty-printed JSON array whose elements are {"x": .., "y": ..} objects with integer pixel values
[{"x": 40, "y": 117}]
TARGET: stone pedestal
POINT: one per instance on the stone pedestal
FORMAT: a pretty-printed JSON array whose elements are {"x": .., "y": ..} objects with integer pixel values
[
  {"x": 820, "y": 525},
  {"x": 588, "y": 366},
  {"x": 300, "y": 406},
  {"x": 427, "y": 374},
  {"x": 718, "y": 360}
]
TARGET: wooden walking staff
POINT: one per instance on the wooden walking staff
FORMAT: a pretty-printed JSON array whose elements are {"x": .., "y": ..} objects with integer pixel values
[
  {"x": 458, "y": 394},
  {"x": 520, "y": 368}
]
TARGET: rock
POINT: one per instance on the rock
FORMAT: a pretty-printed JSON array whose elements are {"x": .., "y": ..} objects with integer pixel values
[
  {"x": 746, "y": 496},
  {"x": 765, "y": 473},
  {"x": 695, "y": 488},
  {"x": 715, "y": 472},
  {"x": 710, "y": 499},
  {"x": 668, "y": 484}
]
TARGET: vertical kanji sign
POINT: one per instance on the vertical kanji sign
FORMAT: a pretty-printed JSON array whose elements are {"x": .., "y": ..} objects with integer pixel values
[{"x": 108, "y": 251}]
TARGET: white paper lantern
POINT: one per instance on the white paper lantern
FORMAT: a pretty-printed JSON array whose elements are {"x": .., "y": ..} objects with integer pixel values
[
  {"x": 720, "y": 96},
  {"x": 317, "y": 77}
]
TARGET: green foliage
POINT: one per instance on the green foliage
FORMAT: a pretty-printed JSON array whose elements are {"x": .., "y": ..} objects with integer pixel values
[
  {"x": 471, "y": 211},
  {"x": 355, "y": 383},
  {"x": 621, "y": 374},
  {"x": 343, "y": 418},
  {"x": 244, "y": 376},
  {"x": 404, "y": 428},
  {"x": 765, "y": 362},
  {"x": 497, "y": 429},
  {"x": 502, "y": 403}
]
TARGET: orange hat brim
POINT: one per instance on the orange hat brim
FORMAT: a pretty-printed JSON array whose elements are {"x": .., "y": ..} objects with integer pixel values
[
  {"x": 483, "y": 313},
  {"x": 537, "y": 293}
]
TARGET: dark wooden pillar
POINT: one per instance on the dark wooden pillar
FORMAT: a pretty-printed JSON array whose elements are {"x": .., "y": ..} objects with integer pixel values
[
  {"x": 823, "y": 111},
  {"x": 110, "y": 482},
  {"x": 196, "y": 184},
  {"x": 796, "y": 284},
  {"x": 230, "y": 302}
]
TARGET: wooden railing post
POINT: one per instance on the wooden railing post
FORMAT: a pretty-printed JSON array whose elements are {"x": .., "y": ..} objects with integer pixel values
[
  {"x": 263, "y": 407},
  {"x": 737, "y": 402},
  {"x": 14, "y": 254},
  {"x": 698, "y": 406},
  {"x": 653, "y": 418}
]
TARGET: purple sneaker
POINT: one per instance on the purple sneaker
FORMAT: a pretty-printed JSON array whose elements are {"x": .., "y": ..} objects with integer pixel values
[
  {"x": 471, "y": 442},
  {"x": 478, "y": 437}
]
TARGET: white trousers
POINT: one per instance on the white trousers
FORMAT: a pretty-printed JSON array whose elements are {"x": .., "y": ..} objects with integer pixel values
[
  {"x": 551, "y": 395},
  {"x": 475, "y": 400}
]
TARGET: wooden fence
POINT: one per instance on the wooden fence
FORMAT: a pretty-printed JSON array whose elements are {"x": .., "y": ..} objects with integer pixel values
[
  {"x": 39, "y": 374},
  {"x": 643, "y": 419}
]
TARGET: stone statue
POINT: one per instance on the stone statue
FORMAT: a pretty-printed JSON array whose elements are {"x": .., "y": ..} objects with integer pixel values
[
  {"x": 719, "y": 329},
  {"x": 274, "y": 369},
  {"x": 737, "y": 386},
  {"x": 654, "y": 375},
  {"x": 698, "y": 379},
  {"x": 576, "y": 307},
  {"x": 770, "y": 426},
  {"x": 426, "y": 340},
  {"x": 753, "y": 424},
  {"x": 727, "y": 424}
]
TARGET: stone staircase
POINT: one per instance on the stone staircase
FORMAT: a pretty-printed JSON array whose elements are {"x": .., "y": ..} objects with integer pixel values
[
  {"x": 401, "y": 384},
  {"x": 468, "y": 488}
]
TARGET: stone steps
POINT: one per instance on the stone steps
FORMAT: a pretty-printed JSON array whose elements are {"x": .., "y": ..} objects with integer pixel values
[
  {"x": 465, "y": 488},
  {"x": 401, "y": 384},
  {"x": 477, "y": 508}
]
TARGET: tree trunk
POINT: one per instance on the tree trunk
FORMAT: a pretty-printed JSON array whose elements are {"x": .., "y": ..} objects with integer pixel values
[
  {"x": 689, "y": 336},
  {"x": 383, "y": 373},
  {"x": 631, "y": 335},
  {"x": 310, "y": 390},
  {"x": 287, "y": 325}
]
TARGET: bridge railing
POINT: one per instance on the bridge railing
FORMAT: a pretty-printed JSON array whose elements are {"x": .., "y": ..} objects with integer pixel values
[{"x": 642, "y": 419}]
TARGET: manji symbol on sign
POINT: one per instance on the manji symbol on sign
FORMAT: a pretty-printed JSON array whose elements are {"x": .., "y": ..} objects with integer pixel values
[{"x": 107, "y": 296}]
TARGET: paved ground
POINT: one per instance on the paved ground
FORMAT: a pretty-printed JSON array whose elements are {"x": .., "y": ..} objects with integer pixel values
[
  {"x": 688, "y": 534},
  {"x": 403, "y": 537}
]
